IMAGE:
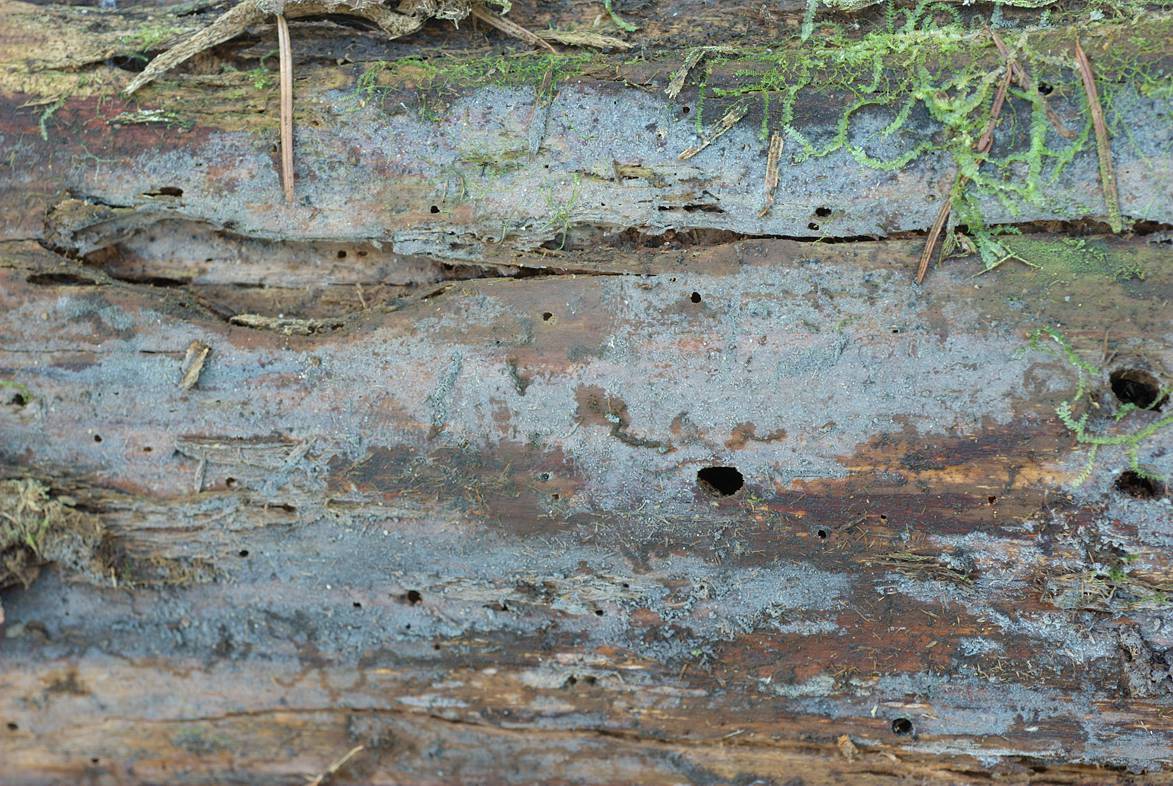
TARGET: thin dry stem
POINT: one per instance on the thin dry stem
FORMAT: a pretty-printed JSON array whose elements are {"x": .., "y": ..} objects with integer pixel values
[
  {"x": 731, "y": 118},
  {"x": 333, "y": 769},
  {"x": 581, "y": 38},
  {"x": 508, "y": 27},
  {"x": 934, "y": 234},
  {"x": 1103, "y": 146},
  {"x": 1022, "y": 78},
  {"x": 984, "y": 144}
]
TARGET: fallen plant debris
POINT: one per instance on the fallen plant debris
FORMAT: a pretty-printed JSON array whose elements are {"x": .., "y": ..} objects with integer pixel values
[
  {"x": 731, "y": 118},
  {"x": 193, "y": 364},
  {"x": 37, "y": 528},
  {"x": 410, "y": 18},
  {"x": 326, "y": 777},
  {"x": 289, "y": 326},
  {"x": 1103, "y": 146},
  {"x": 771, "y": 185},
  {"x": 983, "y": 145}
]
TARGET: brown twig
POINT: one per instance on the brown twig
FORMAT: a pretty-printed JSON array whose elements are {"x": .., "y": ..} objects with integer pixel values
[
  {"x": 986, "y": 140},
  {"x": 931, "y": 242},
  {"x": 508, "y": 27},
  {"x": 772, "y": 176},
  {"x": 286, "y": 66},
  {"x": 1023, "y": 79},
  {"x": 984, "y": 144},
  {"x": 1017, "y": 71},
  {"x": 1103, "y": 147}
]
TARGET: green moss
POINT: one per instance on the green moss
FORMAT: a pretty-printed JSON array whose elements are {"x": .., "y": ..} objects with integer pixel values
[
  {"x": 261, "y": 78},
  {"x": 18, "y": 393},
  {"x": 924, "y": 62},
  {"x": 541, "y": 70},
  {"x": 149, "y": 38},
  {"x": 1117, "y": 590},
  {"x": 617, "y": 20},
  {"x": 1051, "y": 340},
  {"x": 36, "y": 528},
  {"x": 1069, "y": 257},
  {"x": 909, "y": 63}
]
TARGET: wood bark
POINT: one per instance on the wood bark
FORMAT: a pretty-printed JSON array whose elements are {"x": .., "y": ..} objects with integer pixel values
[{"x": 428, "y": 468}]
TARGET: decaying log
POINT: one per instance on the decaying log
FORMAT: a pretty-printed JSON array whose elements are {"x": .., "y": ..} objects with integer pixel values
[
  {"x": 483, "y": 529},
  {"x": 520, "y": 449}
]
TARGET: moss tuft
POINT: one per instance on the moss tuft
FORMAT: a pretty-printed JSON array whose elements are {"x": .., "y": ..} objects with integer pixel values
[{"x": 36, "y": 528}]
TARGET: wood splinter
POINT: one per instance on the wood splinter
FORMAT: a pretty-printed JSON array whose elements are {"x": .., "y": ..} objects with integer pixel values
[
  {"x": 193, "y": 364},
  {"x": 772, "y": 174},
  {"x": 285, "y": 56}
]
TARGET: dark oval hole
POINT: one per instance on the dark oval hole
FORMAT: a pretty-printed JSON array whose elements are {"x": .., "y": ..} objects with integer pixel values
[
  {"x": 822, "y": 212},
  {"x": 1045, "y": 88},
  {"x": 695, "y": 297},
  {"x": 434, "y": 209},
  {"x": 547, "y": 316},
  {"x": 722, "y": 481},
  {"x": 1139, "y": 486},
  {"x": 822, "y": 533},
  {"x": 411, "y": 597},
  {"x": 813, "y": 226},
  {"x": 1137, "y": 387},
  {"x": 243, "y": 552},
  {"x": 902, "y": 726}
]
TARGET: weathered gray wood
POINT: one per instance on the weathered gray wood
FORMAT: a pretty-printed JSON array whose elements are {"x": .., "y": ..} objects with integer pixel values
[
  {"x": 466, "y": 533},
  {"x": 414, "y": 477}
]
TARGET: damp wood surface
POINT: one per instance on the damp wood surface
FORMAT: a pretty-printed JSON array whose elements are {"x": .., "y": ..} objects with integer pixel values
[{"x": 520, "y": 449}]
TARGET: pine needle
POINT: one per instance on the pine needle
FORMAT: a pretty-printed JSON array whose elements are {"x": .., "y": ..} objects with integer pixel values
[
  {"x": 1103, "y": 147},
  {"x": 984, "y": 143}
]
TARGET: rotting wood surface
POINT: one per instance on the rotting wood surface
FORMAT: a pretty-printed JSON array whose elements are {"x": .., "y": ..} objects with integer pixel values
[{"x": 437, "y": 487}]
